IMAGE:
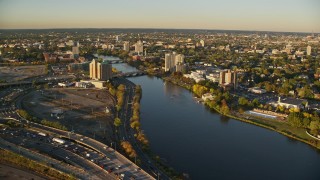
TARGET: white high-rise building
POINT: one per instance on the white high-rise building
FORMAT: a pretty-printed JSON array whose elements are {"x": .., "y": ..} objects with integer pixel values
[
  {"x": 202, "y": 42},
  {"x": 309, "y": 50},
  {"x": 126, "y": 46},
  {"x": 138, "y": 47},
  {"x": 171, "y": 61},
  {"x": 179, "y": 58}
]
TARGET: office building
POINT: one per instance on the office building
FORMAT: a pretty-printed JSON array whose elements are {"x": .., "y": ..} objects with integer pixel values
[
  {"x": 309, "y": 50},
  {"x": 126, "y": 46},
  {"x": 138, "y": 47},
  {"x": 100, "y": 71}
]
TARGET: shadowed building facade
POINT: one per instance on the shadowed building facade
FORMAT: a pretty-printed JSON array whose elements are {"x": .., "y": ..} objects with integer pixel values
[{"x": 100, "y": 71}]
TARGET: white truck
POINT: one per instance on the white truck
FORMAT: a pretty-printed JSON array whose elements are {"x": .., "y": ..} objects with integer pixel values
[{"x": 58, "y": 140}]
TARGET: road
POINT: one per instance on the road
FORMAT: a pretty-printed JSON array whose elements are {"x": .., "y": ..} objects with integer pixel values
[
  {"x": 127, "y": 133},
  {"x": 83, "y": 167},
  {"x": 40, "y": 158}
]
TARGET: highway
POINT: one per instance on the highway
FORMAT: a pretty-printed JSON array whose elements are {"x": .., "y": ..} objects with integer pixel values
[
  {"x": 83, "y": 167},
  {"x": 63, "y": 167}
]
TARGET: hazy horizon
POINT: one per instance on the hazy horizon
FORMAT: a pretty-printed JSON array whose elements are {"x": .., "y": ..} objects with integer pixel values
[
  {"x": 249, "y": 15},
  {"x": 116, "y": 28}
]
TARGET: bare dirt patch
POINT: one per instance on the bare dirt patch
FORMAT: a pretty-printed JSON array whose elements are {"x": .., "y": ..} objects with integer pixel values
[
  {"x": 84, "y": 110},
  {"x": 17, "y": 73}
]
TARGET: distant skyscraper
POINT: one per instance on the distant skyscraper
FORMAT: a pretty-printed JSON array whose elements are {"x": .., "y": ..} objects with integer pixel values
[
  {"x": 309, "y": 50},
  {"x": 100, "y": 71},
  {"x": 138, "y": 48},
  {"x": 126, "y": 46},
  {"x": 202, "y": 43},
  {"x": 75, "y": 52}
]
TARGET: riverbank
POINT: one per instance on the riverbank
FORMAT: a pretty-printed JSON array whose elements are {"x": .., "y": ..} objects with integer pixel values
[{"x": 280, "y": 127}]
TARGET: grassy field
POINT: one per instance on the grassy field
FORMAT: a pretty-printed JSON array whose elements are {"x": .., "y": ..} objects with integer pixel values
[{"x": 22, "y": 162}]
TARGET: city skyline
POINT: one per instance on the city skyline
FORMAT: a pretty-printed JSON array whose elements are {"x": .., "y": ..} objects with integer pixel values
[{"x": 282, "y": 16}]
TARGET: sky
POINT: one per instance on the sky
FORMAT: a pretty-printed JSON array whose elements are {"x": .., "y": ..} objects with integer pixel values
[{"x": 257, "y": 15}]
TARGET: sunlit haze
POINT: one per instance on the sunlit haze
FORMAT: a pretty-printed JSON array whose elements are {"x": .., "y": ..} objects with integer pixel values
[{"x": 272, "y": 15}]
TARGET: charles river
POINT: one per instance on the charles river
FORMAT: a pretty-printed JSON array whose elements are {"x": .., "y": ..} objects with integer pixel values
[{"x": 205, "y": 145}]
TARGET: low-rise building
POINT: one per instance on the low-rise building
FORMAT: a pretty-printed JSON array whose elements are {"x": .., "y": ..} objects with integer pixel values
[
  {"x": 290, "y": 103},
  {"x": 207, "y": 96},
  {"x": 257, "y": 90}
]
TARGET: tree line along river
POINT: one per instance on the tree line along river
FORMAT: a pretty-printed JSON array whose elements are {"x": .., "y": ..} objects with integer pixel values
[{"x": 205, "y": 145}]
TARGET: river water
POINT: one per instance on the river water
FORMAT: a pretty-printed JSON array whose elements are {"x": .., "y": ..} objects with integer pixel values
[{"x": 205, "y": 145}]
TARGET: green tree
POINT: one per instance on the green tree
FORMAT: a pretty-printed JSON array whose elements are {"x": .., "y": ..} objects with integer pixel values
[
  {"x": 117, "y": 122},
  {"x": 314, "y": 127},
  {"x": 243, "y": 101},
  {"x": 295, "y": 119},
  {"x": 305, "y": 92},
  {"x": 135, "y": 125}
]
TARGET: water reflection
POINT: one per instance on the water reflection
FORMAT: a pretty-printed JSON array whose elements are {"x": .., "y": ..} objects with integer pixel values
[
  {"x": 205, "y": 145},
  {"x": 224, "y": 119}
]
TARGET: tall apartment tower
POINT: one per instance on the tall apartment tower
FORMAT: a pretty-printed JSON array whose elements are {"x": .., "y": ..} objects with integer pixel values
[
  {"x": 309, "y": 50},
  {"x": 222, "y": 77},
  {"x": 100, "y": 71},
  {"x": 228, "y": 77},
  {"x": 138, "y": 47},
  {"x": 179, "y": 58},
  {"x": 93, "y": 69},
  {"x": 126, "y": 46},
  {"x": 172, "y": 60},
  {"x": 104, "y": 71},
  {"x": 168, "y": 62}
]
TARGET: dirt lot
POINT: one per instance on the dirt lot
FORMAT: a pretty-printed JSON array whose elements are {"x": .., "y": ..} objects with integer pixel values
[
  {"x": 83, "y": 109},
  {"x": 16, "y": 73}
]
